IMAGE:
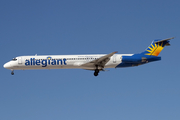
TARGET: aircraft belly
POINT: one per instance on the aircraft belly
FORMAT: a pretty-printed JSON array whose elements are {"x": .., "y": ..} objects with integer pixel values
[{"x": 47, "y": 67}]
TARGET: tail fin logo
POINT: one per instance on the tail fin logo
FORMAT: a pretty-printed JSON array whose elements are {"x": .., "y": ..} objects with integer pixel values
[{"x": 155, "y": 49}]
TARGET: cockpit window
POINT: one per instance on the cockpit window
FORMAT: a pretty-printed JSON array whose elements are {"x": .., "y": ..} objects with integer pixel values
[{"x": 14, "y": 59}]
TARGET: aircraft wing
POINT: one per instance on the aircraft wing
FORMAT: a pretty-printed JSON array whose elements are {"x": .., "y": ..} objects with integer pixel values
[{"x": 100, "y": 61}]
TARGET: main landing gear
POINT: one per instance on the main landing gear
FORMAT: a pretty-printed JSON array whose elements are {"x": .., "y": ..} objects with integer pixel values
[
  {"x": 96, "y": 72},
  {"x": 12, "y": 72}
]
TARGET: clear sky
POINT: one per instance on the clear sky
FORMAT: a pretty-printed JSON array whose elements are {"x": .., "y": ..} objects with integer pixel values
[{"x": 60, "y": 27}]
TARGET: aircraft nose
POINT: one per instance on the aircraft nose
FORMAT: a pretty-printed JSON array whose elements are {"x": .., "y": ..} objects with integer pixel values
[{"x": 7, "y": 65}]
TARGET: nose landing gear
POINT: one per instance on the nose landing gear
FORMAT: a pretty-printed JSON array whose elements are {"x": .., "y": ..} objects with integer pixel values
[{"x": 12, "y": 72}]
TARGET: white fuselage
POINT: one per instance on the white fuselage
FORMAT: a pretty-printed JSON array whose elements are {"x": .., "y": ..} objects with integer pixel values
[{"x": 60, "y": 61}]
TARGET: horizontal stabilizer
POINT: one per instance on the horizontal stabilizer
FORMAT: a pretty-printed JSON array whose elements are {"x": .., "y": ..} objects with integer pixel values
[{"x": 164, "y": 41}]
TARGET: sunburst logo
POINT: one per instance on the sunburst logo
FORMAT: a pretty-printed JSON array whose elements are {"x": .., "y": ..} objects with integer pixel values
[
  {"x": 49, "y": 58},
  {"x": 155, "y": 49}
]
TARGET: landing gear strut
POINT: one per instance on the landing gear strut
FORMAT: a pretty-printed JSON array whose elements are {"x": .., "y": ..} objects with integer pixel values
[
  {"x": 96, "y": 71},
  {"x": 12, "y": 72}
]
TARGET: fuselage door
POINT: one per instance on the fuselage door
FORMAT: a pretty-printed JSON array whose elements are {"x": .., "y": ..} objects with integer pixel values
[{"x": 19, "y": 60}]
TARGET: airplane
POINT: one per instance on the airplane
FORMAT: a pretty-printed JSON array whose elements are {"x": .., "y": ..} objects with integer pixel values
[{"x": 94, "y": 62}]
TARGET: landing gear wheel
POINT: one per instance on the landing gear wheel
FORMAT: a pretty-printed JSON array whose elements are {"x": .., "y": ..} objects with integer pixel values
[
  {"x": 12, "y": 73},
  {"x": 95, "y": 73}
]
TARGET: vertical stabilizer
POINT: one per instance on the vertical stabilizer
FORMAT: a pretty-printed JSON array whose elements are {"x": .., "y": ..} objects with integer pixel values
[{"x": 156, "y": 47}]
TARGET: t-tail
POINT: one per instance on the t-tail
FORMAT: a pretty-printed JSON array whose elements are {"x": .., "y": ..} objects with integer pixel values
[{"x": 156, "y": 47}]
